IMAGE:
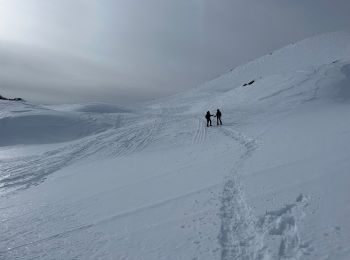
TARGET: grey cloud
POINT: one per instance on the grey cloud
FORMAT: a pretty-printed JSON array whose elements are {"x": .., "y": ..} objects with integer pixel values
[
  {"x": 128, "y": 50},
  {"x": 43, "y": 75}
]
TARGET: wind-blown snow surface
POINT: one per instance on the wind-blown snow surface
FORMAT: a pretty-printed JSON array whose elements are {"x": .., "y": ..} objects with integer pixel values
[{"x": 101, "y": 182}]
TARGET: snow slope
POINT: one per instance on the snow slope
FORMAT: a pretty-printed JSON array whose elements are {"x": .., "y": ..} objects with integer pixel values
[
  {"x": 22, "y": 123},
  {"x": 155, "y": 183}
]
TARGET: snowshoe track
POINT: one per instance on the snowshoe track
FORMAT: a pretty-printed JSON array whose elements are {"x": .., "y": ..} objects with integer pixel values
[
  {"x": 239, "y": 237},
  {"x": 245, "y": 236}
]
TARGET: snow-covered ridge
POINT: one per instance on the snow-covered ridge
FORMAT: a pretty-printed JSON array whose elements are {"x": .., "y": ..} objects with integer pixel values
[
  {"x": 92, "y": 108},
  {"x": 318, "y": 58},
  {"x": 312, "y": 52}
]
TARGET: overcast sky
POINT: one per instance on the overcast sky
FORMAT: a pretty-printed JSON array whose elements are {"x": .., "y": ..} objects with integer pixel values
[{"x": 126, "y": 51}]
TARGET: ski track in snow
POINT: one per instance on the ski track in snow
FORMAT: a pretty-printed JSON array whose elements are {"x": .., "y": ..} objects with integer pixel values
[
  {"x": 108, "y": 219},
  {"x": 21, "y": 173},
  {"x": 200, "y": 132}
]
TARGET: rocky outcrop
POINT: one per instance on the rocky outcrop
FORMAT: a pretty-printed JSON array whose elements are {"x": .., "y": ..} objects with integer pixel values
[{"x": 11, "y": 99}]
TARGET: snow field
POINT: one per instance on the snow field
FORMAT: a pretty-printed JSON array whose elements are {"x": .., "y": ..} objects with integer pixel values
[{"x": 155, "y": 183}]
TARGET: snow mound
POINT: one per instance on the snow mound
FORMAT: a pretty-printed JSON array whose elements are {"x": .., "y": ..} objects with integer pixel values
[{"x": 27, "y": 124}]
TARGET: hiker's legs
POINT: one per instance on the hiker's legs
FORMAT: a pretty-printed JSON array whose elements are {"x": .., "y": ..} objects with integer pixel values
[
  {"x": 220, "y": 120},
  {"x": 207, "y": 123}
]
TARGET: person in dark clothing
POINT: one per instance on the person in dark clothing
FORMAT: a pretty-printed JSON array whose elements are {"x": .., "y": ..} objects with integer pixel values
[
  {"x": 207, "y": 116},
  {"x": 218, "y": 117}
]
